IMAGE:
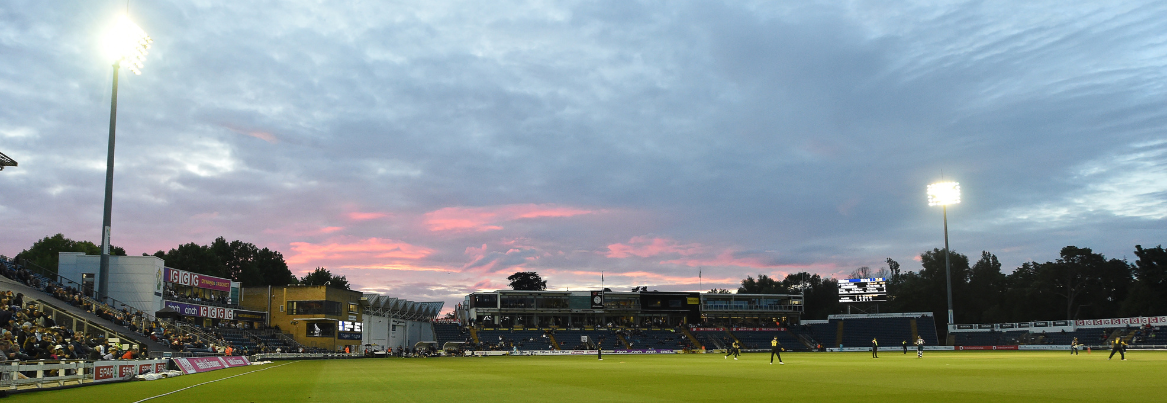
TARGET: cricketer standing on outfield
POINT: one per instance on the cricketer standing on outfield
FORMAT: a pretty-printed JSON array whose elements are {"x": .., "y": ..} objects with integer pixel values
[
  {"x": 776, "y": 349},
  {"x": 734, "y": 350},
  {"x": 874, "y": 348},
  {"x": 1119, "y": 347},
  {"x": 920, "y": 347},
  {"x": 1074, "y": 347}
]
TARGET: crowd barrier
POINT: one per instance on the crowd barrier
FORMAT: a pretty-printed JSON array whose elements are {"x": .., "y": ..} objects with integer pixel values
[
  {"x": 39, "y": 374},
  {"x": 291, "y": 356},
  {"x": 483, "y": 353}
]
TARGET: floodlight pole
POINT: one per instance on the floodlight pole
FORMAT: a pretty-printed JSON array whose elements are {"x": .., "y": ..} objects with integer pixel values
[
  {"x": 103, "y": 271},
  {"x": 947, "y": 265}
]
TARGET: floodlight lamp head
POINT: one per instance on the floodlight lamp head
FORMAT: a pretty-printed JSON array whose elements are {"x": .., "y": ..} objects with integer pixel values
[
  {"x": 943, "y": 193},
  {"x": 126, "y": 42}
]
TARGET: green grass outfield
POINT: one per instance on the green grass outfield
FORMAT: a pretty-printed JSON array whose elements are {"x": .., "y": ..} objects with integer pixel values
[{"x": 992, "y": 376}]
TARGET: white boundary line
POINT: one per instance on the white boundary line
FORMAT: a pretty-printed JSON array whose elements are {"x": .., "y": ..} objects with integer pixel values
[{"x": 204, "y": 383}]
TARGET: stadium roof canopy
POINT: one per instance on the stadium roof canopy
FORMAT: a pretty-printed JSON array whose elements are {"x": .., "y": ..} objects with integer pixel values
[
  {"x": 6, "y": 162},
  {"x": 380, "y": 305}
]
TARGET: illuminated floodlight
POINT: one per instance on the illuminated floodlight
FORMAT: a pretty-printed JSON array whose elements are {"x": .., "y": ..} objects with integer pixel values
[
  {"x": 127, "y": 44},
  {"x": 943, "y": 193}
]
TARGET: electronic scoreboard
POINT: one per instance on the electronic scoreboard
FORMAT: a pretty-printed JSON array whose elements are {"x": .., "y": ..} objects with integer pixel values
[{"x": 863, "y": 290}]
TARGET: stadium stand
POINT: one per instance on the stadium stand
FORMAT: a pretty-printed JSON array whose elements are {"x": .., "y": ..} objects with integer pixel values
[
  {"x": 857, "y": 330},
  {"x": 824, "y": 333},
  {"x": 570, "y": 339},
  {"x": 652, "y": 338},
  {"x": 988, "y": 338},
  {"x": 131, "y": 326},
  {"x": 449, "y": 332},
  {"x": 890, "y": 331},
  {"x": 522, "y": 339},
  {"x": 711, "y": 339},
  {"x": 760, "y": 340}
]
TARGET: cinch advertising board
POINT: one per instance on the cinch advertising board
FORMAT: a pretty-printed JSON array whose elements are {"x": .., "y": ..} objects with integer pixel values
[
  {"x": 191, "y": 365},
  {"x": 202, "y": 311}
]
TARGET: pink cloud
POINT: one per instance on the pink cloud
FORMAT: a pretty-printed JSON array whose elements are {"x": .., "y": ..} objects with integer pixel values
[
  {"x": 480, "y": 219},
  {"x": 646, "y": 247},
  {"x": 372, "y": 252},
  {"x": 359, "y": 216},
  {"x": 727, "y": 258},
  {"x": 302, "y": 230},
  {"x": 262, "y": 135},
  {"x": 639, "y": 277}
]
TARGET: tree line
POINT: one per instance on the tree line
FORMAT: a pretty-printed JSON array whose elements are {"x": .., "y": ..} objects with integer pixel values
[
  {"x": 240, "y": 261},
  {"x": 1079, "y": 284}
]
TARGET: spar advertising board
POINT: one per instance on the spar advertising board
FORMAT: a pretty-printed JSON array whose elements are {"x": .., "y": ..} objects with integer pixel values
[
  {"x": 192, "y": 365},
  {"x": 105, "y": 371}
]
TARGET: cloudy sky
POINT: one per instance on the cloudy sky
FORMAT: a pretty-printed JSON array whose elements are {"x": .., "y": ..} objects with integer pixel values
[{"x": 430, "y": 149}]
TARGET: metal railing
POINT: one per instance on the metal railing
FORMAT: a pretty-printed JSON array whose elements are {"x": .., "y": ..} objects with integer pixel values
[{"x": 288, "y": 356}]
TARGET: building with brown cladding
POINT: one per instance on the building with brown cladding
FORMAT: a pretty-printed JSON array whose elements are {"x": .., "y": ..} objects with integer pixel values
[{"x": 315, "y": 316}]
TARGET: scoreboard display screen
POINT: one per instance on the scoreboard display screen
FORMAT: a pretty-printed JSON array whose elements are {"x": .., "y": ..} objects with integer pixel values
[
  {"x": 346, "y": 326},
  {"x": 863, "y": 290}
]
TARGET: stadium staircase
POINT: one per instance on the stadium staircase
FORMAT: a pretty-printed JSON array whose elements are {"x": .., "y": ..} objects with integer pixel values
[
  {"x": 801, "y": 339},
  {"x": 712, "y": 340},
  {"x": 839, "y": 334},
  {"x": 623, "y": 341},
  {"x": 554, "y": 343},
  {"x": 474, "y": 334},
  {"x": 692, "y": 339}
]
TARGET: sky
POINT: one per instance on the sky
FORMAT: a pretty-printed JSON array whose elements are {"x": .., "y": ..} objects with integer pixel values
[{"x": 426, "y": 150}]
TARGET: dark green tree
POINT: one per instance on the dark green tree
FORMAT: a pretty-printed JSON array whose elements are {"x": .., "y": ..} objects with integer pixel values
[
  {"x": 195, "y": 258},
  {"x": 763, "y": 285},
  {"x": 982, "y": 298},
  {"x": 927, "y": 290},
  {"x": 322, "y": 276},
  {"x": 240, "y": 261},
  {"x": 1089, "y": 285},
  {"x": 820, "y": 295},
  {"x": 45, "y": 252},
  {"x": 1148, "y": 295},
  {"x": 272, "y": 268},
  {"x": 528, "y": 280}
]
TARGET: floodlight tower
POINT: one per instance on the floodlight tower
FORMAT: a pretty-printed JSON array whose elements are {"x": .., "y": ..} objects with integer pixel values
[
  {"x": 126, "y": 43},
  {"x": 942, "y": 194}
]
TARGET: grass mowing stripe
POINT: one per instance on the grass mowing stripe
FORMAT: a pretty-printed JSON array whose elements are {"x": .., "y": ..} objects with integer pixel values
[
  {"x": 207, "y": 382},
  {"x": 949, "y": 377}
]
